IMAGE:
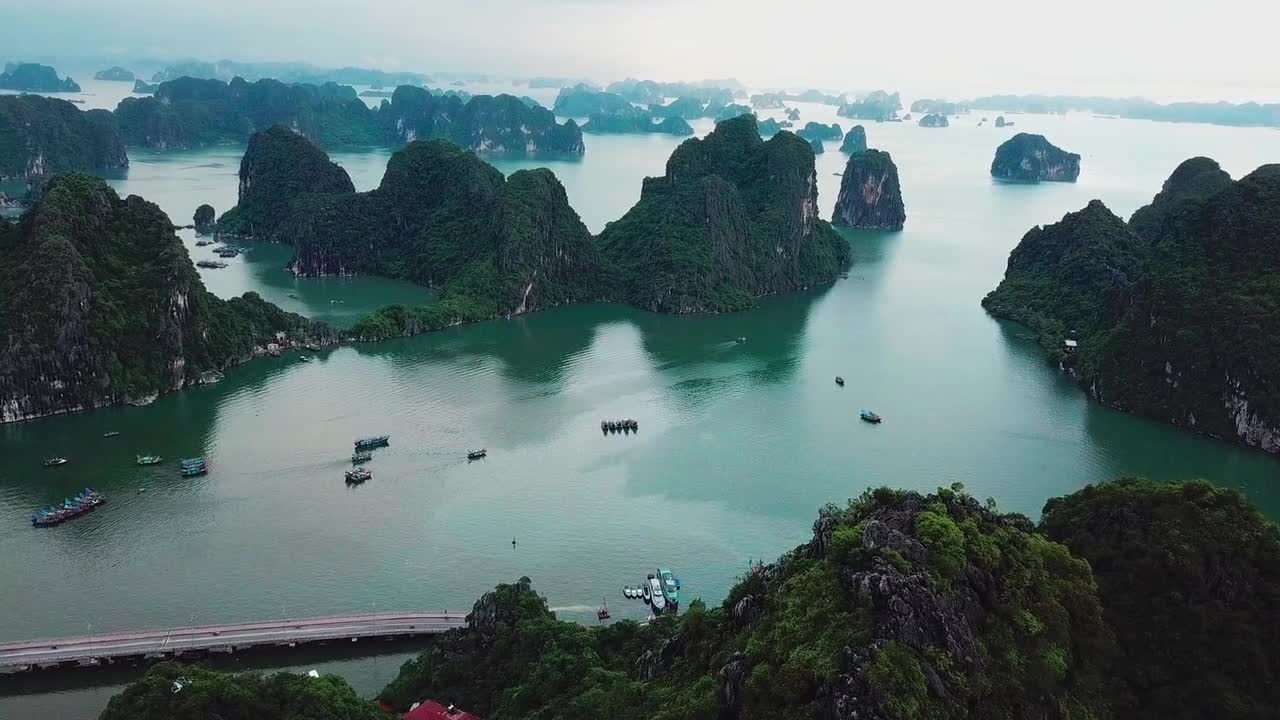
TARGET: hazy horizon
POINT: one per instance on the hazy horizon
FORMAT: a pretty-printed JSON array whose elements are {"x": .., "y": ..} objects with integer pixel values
[{"x": 1166, "y": 51}]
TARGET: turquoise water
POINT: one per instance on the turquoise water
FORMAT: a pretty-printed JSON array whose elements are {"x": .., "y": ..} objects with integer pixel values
[{"x": 738, "y": 445}]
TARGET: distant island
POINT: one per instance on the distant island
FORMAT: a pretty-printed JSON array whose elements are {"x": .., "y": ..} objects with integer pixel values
[
  {"x": 635, "y": 120},
  {"x": 33, "y": 77},
  {"x": 820, "y": 132},
  {"x": 649, "y": 92},
  {"x": 287, "y": 72},
  {"x": 188, "y": 112},
  {"x": 878, "y": 106},
  {"x": 583, "y": 101},
  {"x": 934, "y": 121},
  {"x": 897, "y": 605},
  {"x": 145, "y": 88},
  {"x": 41, "y": 137},
  {"x": 870, "y": 193},
  {"x": 1031, "y": 158},
  {"x": 103, "y": 306},
  {"x": 1219, "y": 113},
  {"x": 929, "y": 106},
  {"x": 114, "y": 73},
  {"x": 1171, "y": 314}
]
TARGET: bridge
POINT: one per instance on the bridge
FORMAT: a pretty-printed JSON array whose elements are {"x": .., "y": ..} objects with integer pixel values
[{"x": 174, "y": 642}]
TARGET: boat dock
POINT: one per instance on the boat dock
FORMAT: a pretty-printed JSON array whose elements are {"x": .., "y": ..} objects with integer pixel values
[{"x": 179, "y": 641}]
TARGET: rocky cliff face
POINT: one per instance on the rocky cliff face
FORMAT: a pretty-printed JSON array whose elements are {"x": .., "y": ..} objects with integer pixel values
[
  {"x": 279, "y": 167},
  {"x": 1171, "y": 312},
  {"x": 855, "y": 141},
  {"x": 870, "y": 194},
  {"x": 818, "y": 131},
  {"x": 1031, "y": 158},
  {"x": 40, "y": 137},
  {"x": 102, "y": 306},
  {"x": 734, "y": 218}
]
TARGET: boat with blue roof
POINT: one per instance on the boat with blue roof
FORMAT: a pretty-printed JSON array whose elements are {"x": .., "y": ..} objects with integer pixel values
[{"x": 72, "y": 507}]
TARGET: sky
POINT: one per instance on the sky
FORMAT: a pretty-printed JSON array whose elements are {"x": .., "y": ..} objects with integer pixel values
[{"x": 1166, "y": 50}]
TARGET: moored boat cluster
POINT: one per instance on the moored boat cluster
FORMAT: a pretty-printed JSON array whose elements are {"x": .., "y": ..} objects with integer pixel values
[
  {"x": 69, "y": 508},
  {"x": 624, "y": 425}
]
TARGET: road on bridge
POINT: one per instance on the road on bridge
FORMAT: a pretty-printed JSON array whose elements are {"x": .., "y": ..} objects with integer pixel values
[{"x": 170, "y": 641}]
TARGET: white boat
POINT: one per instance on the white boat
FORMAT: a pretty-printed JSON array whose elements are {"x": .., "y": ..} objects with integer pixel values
[
  {"x": 655, "y": 592},
  {"x": 644, "y": 592}
]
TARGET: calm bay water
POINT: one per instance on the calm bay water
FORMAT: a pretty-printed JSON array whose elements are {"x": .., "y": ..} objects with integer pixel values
[{"x": 738, "y": 445}]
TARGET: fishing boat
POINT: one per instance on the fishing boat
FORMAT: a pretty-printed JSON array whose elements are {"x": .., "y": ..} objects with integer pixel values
[
  {"x": 203, "y": 243},
  {"x": 870, "y": 417},
  {"x": 358, "y": 475},
  {"x": 69, "y": 508},
  {"x": 840, "y": 381},
  {"x": 110, "y": 433},
  {"x": 305, "y": 358},
  {"x": 740, "y": 340},
  {"x": 192, "y": 467},
  {"x": 603, "y": 613},
  {"x": 477, "y": 454},
  {"x": 361, "y": 456},
  {"x": 646, "y": 593},
  {"x": 373, "y": 441},
  {"x": 54, "y": 461},
  {"x": 655, "y": 595},
  {"x": 214, "y": 264},
  {"x": 149, "y": 459},
  {"x": 670, "y": 586},
  {"x": 226, "y": 252}
]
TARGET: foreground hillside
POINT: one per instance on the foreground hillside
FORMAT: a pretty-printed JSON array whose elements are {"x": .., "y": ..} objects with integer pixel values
[
  {"x": 100, "y": 304},
  {"x": 1131, "y": 599}
]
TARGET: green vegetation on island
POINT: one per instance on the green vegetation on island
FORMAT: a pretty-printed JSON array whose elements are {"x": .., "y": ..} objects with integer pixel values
[
  {"x": 203, "y": 218},
  {"x": 497, "y": 124},
  {"x": 114, "y": 73},
  {"x": 734, "y": 218},
  {"x": 1130, "y": 599},
  {"x": 41, "y": 137},
  {"x": 33, "y": 77},
  {"x": 1031, "y": 158},
  {"x": 934, "y": 121},
  {"x": 712, "y": 235},
  {"x": 870, "y": 193},
  {"x": 102, "y": 305},
  {"x": 1173, "y": 315},
  {"x": 144, "y": 88},
  {"x": 1189, "y": 579},
  {"x": 441, "y": 217},
  {"x": 170, "y": 691}
]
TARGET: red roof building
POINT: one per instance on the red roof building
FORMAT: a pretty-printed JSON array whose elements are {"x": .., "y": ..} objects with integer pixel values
[{"x": 432, "y": 710}]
